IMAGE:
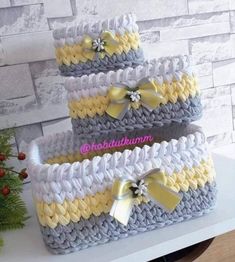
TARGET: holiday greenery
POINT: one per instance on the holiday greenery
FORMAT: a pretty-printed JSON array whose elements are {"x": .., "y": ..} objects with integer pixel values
[{"x": 13, "y": 212}]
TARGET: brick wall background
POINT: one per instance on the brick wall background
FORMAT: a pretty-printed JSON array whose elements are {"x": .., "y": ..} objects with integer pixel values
[{"x": 32, "y": 98}]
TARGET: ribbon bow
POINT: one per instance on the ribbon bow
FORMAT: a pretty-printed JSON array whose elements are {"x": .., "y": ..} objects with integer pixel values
[
  {"x": 151, "y": 186},
  {"x": 105, "y": 44},
  {"x": 122, "y": 98}
]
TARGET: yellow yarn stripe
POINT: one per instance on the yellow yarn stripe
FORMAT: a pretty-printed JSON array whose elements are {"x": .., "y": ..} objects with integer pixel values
[
  {"x": 74, "y": 54},
  {"x": 177, "y": 90},
  {"x": 53, "y": 214}
]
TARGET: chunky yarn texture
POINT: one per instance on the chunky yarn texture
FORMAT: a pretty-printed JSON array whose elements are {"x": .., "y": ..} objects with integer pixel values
[
  {"x": 72, "y": 193},
  {"x": 179, "y": 112},
  {"x": 88, "y": 97},
  {"x": 72, "y": 189},
  {"x": 71, "y": 55},
  {"x": 101, "y": 229},
  {"x": 132, "y": 59}
]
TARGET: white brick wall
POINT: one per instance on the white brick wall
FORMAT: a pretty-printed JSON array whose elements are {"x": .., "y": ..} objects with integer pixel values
[
  {"x": 217, "y": 115},
  {"x": 57, "y": 8},
  {"x": 1, "y": 55},
  {"x": 232, "y": 4},
  {"x": 204, "y": 6},
  {"x": 211, "y": 48},
  {"x": 27, "y": 112},
  {"x": 205, "y": 81},
  {"x": 146, "y": 10},
  {"x": 185, "y": 21},
  {"x": 62, "y": 125},
  {"x": 15, "y": 20},
  {"x": 195, "y": 31},
  {"x": 28, "y": 47},
  {"x": 5, "y": 3},
  {"x": 166, "y": 48},
  {"x": 16, "y": 81},
  {"x": 224, "y": 72},
  {"x": 32, "y": 95},
  {"x": 25, "y": 2},
  {"x": 48, "y": 83},
  {"x": 232, "y": 21}
]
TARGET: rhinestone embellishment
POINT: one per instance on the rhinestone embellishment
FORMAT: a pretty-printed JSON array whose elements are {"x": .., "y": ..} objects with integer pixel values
[
  {"x": 139, "y": 188},
  {"x": 134, "y": 96},
  {"x": 98, "y": 45}
]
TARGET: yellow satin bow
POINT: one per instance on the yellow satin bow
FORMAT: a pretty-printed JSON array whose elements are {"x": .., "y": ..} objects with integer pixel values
[
  {"x": 122, "y": 98},
  {"x": 107, "y": 43},
  {"x": 151, "y": 186}
]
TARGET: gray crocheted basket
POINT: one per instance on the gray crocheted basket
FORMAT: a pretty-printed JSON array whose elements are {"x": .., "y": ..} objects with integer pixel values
[
  {"x": 176, "y": 94},
  {"x": 99, "y": 47},
  {"x": 72, "y": 190}
]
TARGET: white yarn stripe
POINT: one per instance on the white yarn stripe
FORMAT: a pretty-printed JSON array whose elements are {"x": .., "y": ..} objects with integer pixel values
[
  {"x": 164, "y": 69},
  {"x": 69, "y": 181},
  {"x": 73, "y": 33}
]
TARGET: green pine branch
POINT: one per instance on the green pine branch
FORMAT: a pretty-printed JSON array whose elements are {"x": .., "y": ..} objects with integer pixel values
[
  {"x": 5, "y": 138},
  {"x": 13, "y": 212},
  {"x": 1, "y": 242}
]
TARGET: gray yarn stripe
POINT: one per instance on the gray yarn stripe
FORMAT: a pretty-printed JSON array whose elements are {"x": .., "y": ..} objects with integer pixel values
[
  {"x": 131, "y": 59},
  {"x": 145, "y": 217},
  {"x": 180, "y": 112}
]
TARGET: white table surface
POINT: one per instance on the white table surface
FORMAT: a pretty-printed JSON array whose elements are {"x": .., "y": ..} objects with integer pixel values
[{"x": 26, "y": 245}]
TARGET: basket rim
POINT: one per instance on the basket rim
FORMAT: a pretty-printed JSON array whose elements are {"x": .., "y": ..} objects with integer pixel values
[
  {"x": 162, "y": 69},
  {"x": 117, "y": 23}
]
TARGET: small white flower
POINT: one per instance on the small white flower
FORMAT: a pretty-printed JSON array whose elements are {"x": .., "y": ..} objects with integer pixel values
[
  {"x": 141, "y": 188},
  {"x": 134, "y": 96},
  {"x": 98, "y": 45}
]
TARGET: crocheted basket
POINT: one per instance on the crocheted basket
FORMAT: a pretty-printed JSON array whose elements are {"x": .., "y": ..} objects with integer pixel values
[
  {"x": 159, "y": 92},
  {"x": 73, "y": 193},
  {"x": 102, "y": 46}
]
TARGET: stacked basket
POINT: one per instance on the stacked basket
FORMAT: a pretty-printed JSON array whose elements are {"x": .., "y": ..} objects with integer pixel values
[{"x": 115, "y": 191}]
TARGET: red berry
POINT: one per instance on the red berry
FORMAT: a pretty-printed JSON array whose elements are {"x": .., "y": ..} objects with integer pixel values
[
  {"x": 23, "y": 175},
  {"x": 2, "y": 172},
  {"x": 2, "y": 157},
  {"x": 21, "y": 156},
  {"x": 6, "y": 190}
]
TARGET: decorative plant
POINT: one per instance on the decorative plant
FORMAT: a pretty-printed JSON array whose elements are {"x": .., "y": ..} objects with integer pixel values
[{"x": 13, "y": 211}]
